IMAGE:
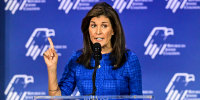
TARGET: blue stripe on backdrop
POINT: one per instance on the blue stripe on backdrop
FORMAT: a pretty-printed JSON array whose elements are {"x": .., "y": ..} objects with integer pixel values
[
  {"x": 163, "y": 33},
  {"x": 2, "y": 50}
]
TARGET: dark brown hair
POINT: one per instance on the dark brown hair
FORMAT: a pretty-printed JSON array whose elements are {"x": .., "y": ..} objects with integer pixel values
[{"x": 117, "y": 55}]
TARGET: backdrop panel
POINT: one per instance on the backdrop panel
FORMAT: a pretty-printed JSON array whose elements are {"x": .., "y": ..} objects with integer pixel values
[{"x": 164, "y": 34}]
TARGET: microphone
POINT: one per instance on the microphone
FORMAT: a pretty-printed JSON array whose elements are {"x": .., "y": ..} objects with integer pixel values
[
  {"x": 97, "y": 57},
  {"x": 97, "y": 51}
]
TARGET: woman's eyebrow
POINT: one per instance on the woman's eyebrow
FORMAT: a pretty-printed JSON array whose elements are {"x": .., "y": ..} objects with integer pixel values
[{"x": 92, "y": 21}]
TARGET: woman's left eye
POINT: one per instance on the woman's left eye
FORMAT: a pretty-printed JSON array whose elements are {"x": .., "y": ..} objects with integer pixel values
[{"x": 104, "y": 26}]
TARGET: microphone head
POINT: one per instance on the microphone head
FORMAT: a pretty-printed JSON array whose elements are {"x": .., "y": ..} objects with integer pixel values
[
  {"x": 97, "y": 51},
  {"x": 96, "y": 47}
]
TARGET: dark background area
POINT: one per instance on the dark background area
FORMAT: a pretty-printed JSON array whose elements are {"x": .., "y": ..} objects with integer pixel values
[{"x": 2, "y": 50}]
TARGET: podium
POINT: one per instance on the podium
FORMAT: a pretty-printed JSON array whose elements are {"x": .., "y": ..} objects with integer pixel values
[{"x": 111, "y": 97}]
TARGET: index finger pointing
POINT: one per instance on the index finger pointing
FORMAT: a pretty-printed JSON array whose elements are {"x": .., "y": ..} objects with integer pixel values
[{"x": 51, "y": 43}]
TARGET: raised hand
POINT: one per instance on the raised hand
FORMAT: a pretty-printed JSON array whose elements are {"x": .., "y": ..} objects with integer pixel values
[{"x": 51, "y": 57}]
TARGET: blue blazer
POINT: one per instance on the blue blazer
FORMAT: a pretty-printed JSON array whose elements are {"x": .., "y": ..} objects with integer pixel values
[{"x": 125, "y": 80}]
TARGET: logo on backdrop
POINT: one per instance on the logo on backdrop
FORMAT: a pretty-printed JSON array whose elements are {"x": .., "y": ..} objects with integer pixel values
[
  {"x": 68, "y": 5},
  {"x": 177, "y": 89},
  {"x": 23, "y": 5},
  {"x": 174, "y": 5},
  {"x": 157, "y": 44},
  {"x": 119, "y": 5},
  {"x": 16, "y": 89},
  {"x": 38, "y": 43}
]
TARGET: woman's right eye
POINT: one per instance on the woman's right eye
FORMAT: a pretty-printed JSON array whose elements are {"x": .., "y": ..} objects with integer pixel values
[{"x": 93, "y": 25}]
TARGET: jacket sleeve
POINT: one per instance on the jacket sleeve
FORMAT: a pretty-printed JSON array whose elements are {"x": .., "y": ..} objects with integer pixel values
[
  {"x": 135, "y": 76},
  {"x": 67, "y": 83}
]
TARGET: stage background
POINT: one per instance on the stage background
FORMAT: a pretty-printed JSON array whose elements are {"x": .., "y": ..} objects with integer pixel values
[
  {"x": 2, "y": 50},
  {"x": 164, "y": 34}
]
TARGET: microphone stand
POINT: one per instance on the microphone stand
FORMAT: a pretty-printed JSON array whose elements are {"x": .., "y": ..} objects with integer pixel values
[
  {"x": 97, "y": 62},
  {"x": 97, "y": 56}
]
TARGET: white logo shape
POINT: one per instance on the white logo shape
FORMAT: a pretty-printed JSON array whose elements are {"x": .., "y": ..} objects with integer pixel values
[
  {"x": 37, "y": 44},
  {"x": 10, "y": 90},
  {"x": 13, "y": 5},
  {"x": 121, "y": 4},
  {"x": 153, "y": 48},
  {"x": 182, "y": 79},
  {"x": 175, "y": 4},
  {"x": 23, "y": 5},
  {"x": 66, "y": 5},
  {"x": 34, "y": 46}
]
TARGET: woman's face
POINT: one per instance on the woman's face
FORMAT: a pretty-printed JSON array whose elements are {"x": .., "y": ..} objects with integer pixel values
[{"x": 100, "y": 30}]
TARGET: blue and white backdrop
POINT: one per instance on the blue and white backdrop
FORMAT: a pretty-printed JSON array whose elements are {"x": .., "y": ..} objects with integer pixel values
[{"x": 165, "y": 35}]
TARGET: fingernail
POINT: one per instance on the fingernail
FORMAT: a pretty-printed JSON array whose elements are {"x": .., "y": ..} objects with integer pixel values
[{"x": 52, "y": 54}]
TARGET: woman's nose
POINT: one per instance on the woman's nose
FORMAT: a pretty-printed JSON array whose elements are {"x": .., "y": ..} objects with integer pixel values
[{"x": 98, "y": 31}]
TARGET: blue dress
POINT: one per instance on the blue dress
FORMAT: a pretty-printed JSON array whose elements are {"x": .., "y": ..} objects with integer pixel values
[{"x": 125, "y": 80}]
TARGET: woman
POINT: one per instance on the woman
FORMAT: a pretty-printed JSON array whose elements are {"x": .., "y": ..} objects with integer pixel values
[{"x": 119, "y": 72}]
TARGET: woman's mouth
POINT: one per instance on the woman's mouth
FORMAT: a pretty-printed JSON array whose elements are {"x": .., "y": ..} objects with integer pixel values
[{"x": 99, "y": 39}]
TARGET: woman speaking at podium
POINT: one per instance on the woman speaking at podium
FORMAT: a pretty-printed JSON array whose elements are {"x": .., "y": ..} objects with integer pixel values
[{"x": 118, "y": 72}]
